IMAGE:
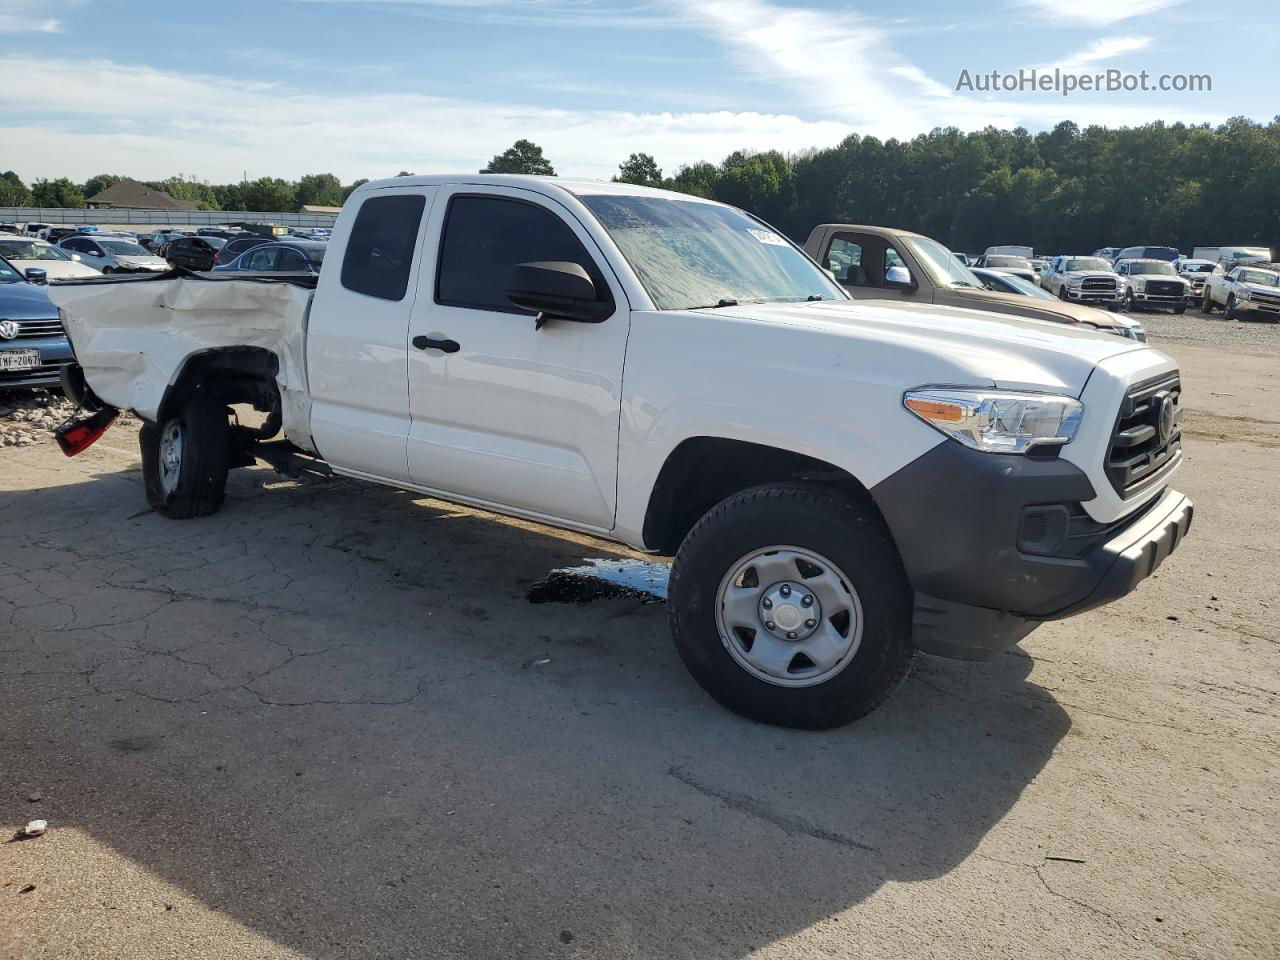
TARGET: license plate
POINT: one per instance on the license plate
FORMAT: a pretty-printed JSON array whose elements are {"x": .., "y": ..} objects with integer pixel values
[{"x": 19, "y": 359}]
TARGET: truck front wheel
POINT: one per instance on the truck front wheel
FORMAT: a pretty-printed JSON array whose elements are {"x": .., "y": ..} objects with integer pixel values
[
  {"x": 185, "y": 458},
  {"x": 789, "y": 605}
]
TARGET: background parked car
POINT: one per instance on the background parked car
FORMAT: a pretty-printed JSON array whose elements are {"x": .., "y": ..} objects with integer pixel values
[
  {"x": 233, "y": 248},
  {"x": 56, "y": 234},
  {"x": 1148, "y": 253},
  {"x": 1107, "y": 253},
  {"x": 1084, "y": 279},
  {"x": 1153, "y": 283},
  {"x": 301, "y": 256},
  {"x": 28, "y": 253},
  {"x": 194, "y": 253},
  {"x": 1195, "y": 272},
  {"x": 33, "y": 346},
  {"x": 1018, "y": 266},
  {"x": 1001, "y": 282},
  {"x": 157, "y": 239},
  {"x": 1241, "y": 291},
  {"x": 114, "y": 254},
  {"x": 33, "y": 228}
]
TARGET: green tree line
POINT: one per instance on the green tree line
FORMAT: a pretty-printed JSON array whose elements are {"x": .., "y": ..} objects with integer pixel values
[{"x": 1069, "y": 189}]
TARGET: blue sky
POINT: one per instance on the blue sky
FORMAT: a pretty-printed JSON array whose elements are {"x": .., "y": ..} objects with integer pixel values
[{"x": 365, "y": 88}]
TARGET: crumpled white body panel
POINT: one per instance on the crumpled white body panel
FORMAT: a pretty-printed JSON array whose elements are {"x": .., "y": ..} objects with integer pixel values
[{"x": 133, "y": 339}]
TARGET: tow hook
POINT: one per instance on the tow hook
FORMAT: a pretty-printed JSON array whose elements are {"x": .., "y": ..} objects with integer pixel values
[{"x": 77, "y": 436}]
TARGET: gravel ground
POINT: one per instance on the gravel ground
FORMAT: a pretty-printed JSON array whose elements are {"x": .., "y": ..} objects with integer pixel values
[
  {"x": 30, "y": 416},
  {"x": 1196, "y": 327}
]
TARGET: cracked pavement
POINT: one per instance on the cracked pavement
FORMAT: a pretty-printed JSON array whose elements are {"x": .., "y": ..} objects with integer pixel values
[{"x": 325, "y": 723}]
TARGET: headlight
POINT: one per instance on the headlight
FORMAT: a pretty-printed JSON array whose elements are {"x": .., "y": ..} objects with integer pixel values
[
  {"x": 1139, "y": 284},
  {"x": 1243, "y": 295},
  {"x": 997, "y": 421}
]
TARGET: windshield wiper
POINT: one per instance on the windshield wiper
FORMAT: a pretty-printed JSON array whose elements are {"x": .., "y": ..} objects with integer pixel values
[{"x": 814, "y": 297}]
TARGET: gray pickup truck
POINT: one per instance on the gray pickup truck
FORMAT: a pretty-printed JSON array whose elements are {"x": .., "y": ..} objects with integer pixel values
[{"x": 885, "y": 263}]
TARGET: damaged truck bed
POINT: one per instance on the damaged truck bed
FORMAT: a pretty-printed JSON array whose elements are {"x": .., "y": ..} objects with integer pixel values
[{"x": 134, "y": 338}]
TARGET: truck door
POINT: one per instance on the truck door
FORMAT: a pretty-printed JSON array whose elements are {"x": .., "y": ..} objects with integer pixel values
[
  {"x": 860, "y": 262},
  {"x": 357, "y": 363},
  {"x": 502, "y": 412}
]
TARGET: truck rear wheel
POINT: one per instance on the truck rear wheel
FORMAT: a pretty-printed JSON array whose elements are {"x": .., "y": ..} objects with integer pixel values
[
  {"x": 185, "y": 458},
  {"x": 789, "y": 605}
]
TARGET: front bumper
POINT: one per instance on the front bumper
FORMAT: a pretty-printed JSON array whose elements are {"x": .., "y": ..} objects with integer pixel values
[
  {"x": 1260, "y": 307},
  {"x": 1079, "y": 295},
  {"x": 966, "y": 526},
  {"x": 55, "y": 352}
]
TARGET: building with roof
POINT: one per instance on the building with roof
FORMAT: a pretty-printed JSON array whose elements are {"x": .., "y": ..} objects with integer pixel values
[{"x": 130, "y": 194}]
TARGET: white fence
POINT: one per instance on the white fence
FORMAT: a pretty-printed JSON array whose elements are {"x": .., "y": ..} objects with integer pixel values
[{"x": 74, "y": 216}]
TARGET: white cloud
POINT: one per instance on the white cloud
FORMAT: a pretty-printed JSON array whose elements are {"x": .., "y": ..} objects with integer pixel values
[
  {"x": 1101, "y": 51},
  {"x": 847, "y": 69},
  {"x": 217, "y": 127},
  {"x": 1094, "y": 12}
]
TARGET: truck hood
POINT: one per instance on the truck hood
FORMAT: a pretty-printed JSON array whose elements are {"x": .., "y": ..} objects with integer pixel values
[
  {"x": 57, "y": 269},
  {"x": 1091, "y": 274},
  {"x": 981, "y": 348},
  {"x": 1036, "y": 308},
  {"x": 1261, "y": 288}
]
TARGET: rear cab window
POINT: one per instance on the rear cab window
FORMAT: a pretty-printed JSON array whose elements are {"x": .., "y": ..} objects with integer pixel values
[{"x": 379, "y": 254}]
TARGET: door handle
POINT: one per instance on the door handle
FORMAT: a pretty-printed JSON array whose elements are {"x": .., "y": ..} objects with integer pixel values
[{"x": 435, "y": 343}]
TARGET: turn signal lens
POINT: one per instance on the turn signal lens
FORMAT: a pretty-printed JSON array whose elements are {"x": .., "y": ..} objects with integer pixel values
[{"x": 997, "y": 421}]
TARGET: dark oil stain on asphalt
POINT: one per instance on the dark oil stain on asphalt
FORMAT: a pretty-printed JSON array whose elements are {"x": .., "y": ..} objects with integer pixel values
[{"x": 603, "y": 579}]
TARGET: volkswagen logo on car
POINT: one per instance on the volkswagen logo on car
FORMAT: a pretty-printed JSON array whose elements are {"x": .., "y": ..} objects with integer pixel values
[{"x": 9, "y": 329}]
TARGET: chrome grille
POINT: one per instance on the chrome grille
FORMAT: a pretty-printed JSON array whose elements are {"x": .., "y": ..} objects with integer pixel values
[
  {"x": 1097, "y": 283},
  {"x": 1147, "y": 440},
  {"x": 1163, "y": 288},
  {"x": 34, "y": 329}
]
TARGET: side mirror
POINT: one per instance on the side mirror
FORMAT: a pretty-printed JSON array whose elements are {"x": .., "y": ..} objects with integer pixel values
[
  {"x": 75, "y": 257},
  {"x": 899, "y": 277},
  {"x": 557, "y": 289},
  {"x": 36, "y": 275}
]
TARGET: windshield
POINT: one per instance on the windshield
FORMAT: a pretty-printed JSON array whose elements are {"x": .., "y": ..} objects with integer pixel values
[
  {"x": 1088, "y": 263},
  {"x": 16, "y": 249},
  {"x": 943, "y": 268},
  {"x": 123, "y": 248},
  {"x": 1260, "y": 276},
  {"x": 1160, "y": 267},
  {"x": 690, "y": 254},
  {"x": 1017, "y": 263},
  {"x": 7, "y": 273},
  {"x": 1197, "y": 268}
]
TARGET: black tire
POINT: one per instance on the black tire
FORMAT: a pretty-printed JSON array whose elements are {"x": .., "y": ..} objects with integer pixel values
[
  {"x": 1181, "y": 308},
  {"x": 1229, "y": 311},
  {"x": 1130, "y": 304},
  {"x": 202, "y": 468},
  {"x": 1062, "y": 293},
  {"x": 853, "y": 536},
  {"x": 1207, "y": 305}
]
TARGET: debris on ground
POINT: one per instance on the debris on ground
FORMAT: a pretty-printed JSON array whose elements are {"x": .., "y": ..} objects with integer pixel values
[
  {"x": 29, "y": 888},
  {"x": 29, "y": 417},
  {"x": 36, "y": 828},
  {"x": 601, "y": 579},
  {"x": 35, "y": 797}
]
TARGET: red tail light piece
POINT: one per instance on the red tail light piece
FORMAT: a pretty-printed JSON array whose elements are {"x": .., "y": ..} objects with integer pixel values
[{"x": 79, "y": 436}]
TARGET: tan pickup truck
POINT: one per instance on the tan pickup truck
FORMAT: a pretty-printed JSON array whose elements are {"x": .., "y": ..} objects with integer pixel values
[{"x": 884, "y": 263}]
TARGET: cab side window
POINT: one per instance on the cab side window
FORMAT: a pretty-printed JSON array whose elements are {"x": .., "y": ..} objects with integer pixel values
[
  {"x": 379, "y": 255},
  {"x": 844, "y": 259},
  {"x": 485, "y": 237}
]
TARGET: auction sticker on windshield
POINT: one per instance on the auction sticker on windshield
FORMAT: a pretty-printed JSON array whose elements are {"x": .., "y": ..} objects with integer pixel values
[
  {"x": 767, "y": 236},
  {"x": 19, "y": 359}
]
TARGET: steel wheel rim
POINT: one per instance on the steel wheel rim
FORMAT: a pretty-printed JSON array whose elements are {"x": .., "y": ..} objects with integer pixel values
[
  {"x": 170, "y": 456},
  {"x": 785, "y": 650}
]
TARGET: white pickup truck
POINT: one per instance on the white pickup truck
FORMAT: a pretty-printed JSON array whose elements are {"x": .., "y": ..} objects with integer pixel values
[
  {"x": 841, "y": 483},
  {"x": 1243, "y": 290}
]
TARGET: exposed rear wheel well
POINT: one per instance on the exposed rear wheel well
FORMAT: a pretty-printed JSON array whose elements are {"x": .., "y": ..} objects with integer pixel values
[
  {"x": 232, "y": 375},
  {"x": 702, "y": 471}
]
